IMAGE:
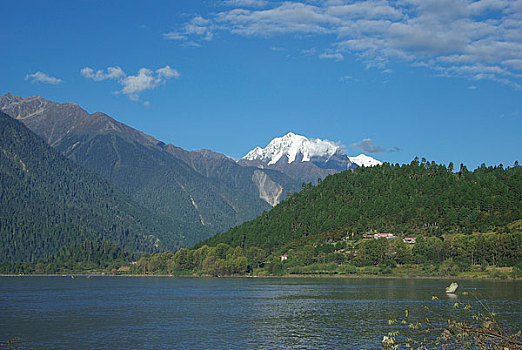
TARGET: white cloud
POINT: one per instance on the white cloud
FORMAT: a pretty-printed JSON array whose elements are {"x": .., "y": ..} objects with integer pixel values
[
  {"x": 167, "y": 72},
  {"x": 132, "y": 85},
  {"x": 112, "y": 73},
  {"x": 288, "y": 18},
  {"x": 246, "y": 3},
  {"x": 201, "y": 27},
  {"x": 514, "y": 63},
  {"x": 332, "y": 56},
  {"x": 447, "y": 36},
  {"x": 197, "y": 26},
  {"x": 309, "y": 52},
  {"x": 190, "y": 44},
  {"x": 40, "y": 77},
  {"x": 348, "y": 78},
  {"x": 174, "y": 36}
]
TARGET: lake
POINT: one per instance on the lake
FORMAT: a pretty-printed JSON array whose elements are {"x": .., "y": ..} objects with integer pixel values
[{"x": 229, "y": 313}]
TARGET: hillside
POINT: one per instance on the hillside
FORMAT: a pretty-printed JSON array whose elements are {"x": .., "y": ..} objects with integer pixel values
[
  {"x": 248, "y": 186},
  {"x": 48, "y": 202},
  {"x": 418, "y": 198},
  {"x": 202, "y": 193}
]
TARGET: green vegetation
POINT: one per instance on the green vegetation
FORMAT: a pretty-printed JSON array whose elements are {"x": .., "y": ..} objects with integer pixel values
[
  {"x": 200, "y": 198},
  {"x": 47, "y": 202},
  {"x": 465, "y": 224},
  {"x": 86, "y": 257},
  {"x": 465, "y": 328},
  {"x": 221, "y": 260},
  {"x": 475, "y": 255},
  {"x": 420, "y": 198}
]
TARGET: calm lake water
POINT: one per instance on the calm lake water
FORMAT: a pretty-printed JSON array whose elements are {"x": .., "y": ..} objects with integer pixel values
[{"x": 227, "y": 313}]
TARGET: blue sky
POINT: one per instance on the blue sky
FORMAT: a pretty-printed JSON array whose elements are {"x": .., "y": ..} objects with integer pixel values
[{"x": 438, "y": 79}]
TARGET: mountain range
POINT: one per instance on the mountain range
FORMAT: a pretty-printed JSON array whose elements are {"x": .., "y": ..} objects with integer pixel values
[
  {"x": 202, "y": 192},
  {"x": 304, "y": 159},
  {"x": 192, "y": 194}
]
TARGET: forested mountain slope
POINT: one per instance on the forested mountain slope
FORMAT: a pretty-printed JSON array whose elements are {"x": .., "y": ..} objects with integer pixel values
[
  {"x": 418, "y": 198},
  {"x": 201, "y": 195},
  {"x": 48, "y": 202}
]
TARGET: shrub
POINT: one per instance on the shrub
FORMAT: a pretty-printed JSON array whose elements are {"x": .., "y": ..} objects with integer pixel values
[
  {"x": 385, "y": 270},
  {"x": 478, "y": 330},
  {"x": 347, "y": 269},
  {"x": 517, "y": 270}
]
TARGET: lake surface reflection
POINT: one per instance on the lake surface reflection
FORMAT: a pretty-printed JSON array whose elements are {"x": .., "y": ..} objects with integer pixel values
[{"x": 228, "y": 313}]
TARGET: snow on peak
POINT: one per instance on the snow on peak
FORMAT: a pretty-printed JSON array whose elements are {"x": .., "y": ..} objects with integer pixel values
[
  {"x": 364, "y": 160},
  {"x": 291, "y": 145}
]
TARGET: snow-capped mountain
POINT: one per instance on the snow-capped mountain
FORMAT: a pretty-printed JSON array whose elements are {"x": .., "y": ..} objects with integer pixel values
[
  {"x": 364, "y": 160},
  {"x": 296, "y": 148},
  {"x": 304, "y": 159},
  {"x": 291, "y": 148}
]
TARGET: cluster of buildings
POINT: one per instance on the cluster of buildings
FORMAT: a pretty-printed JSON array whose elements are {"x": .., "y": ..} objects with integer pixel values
[{"x": 409, "y": 240}]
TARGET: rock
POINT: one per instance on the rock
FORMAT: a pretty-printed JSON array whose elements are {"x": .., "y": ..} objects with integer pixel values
[{"x": 452, "y": 288}]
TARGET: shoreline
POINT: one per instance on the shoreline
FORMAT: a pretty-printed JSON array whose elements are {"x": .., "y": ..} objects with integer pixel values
[{"x": 74, "y": 275}]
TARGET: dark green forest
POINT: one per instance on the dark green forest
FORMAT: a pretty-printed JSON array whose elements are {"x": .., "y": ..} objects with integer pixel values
[
  {"x": 85, "y": 257},
  {"x": 47, "y": 202},
  {"x": 420, "y": 198}
]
